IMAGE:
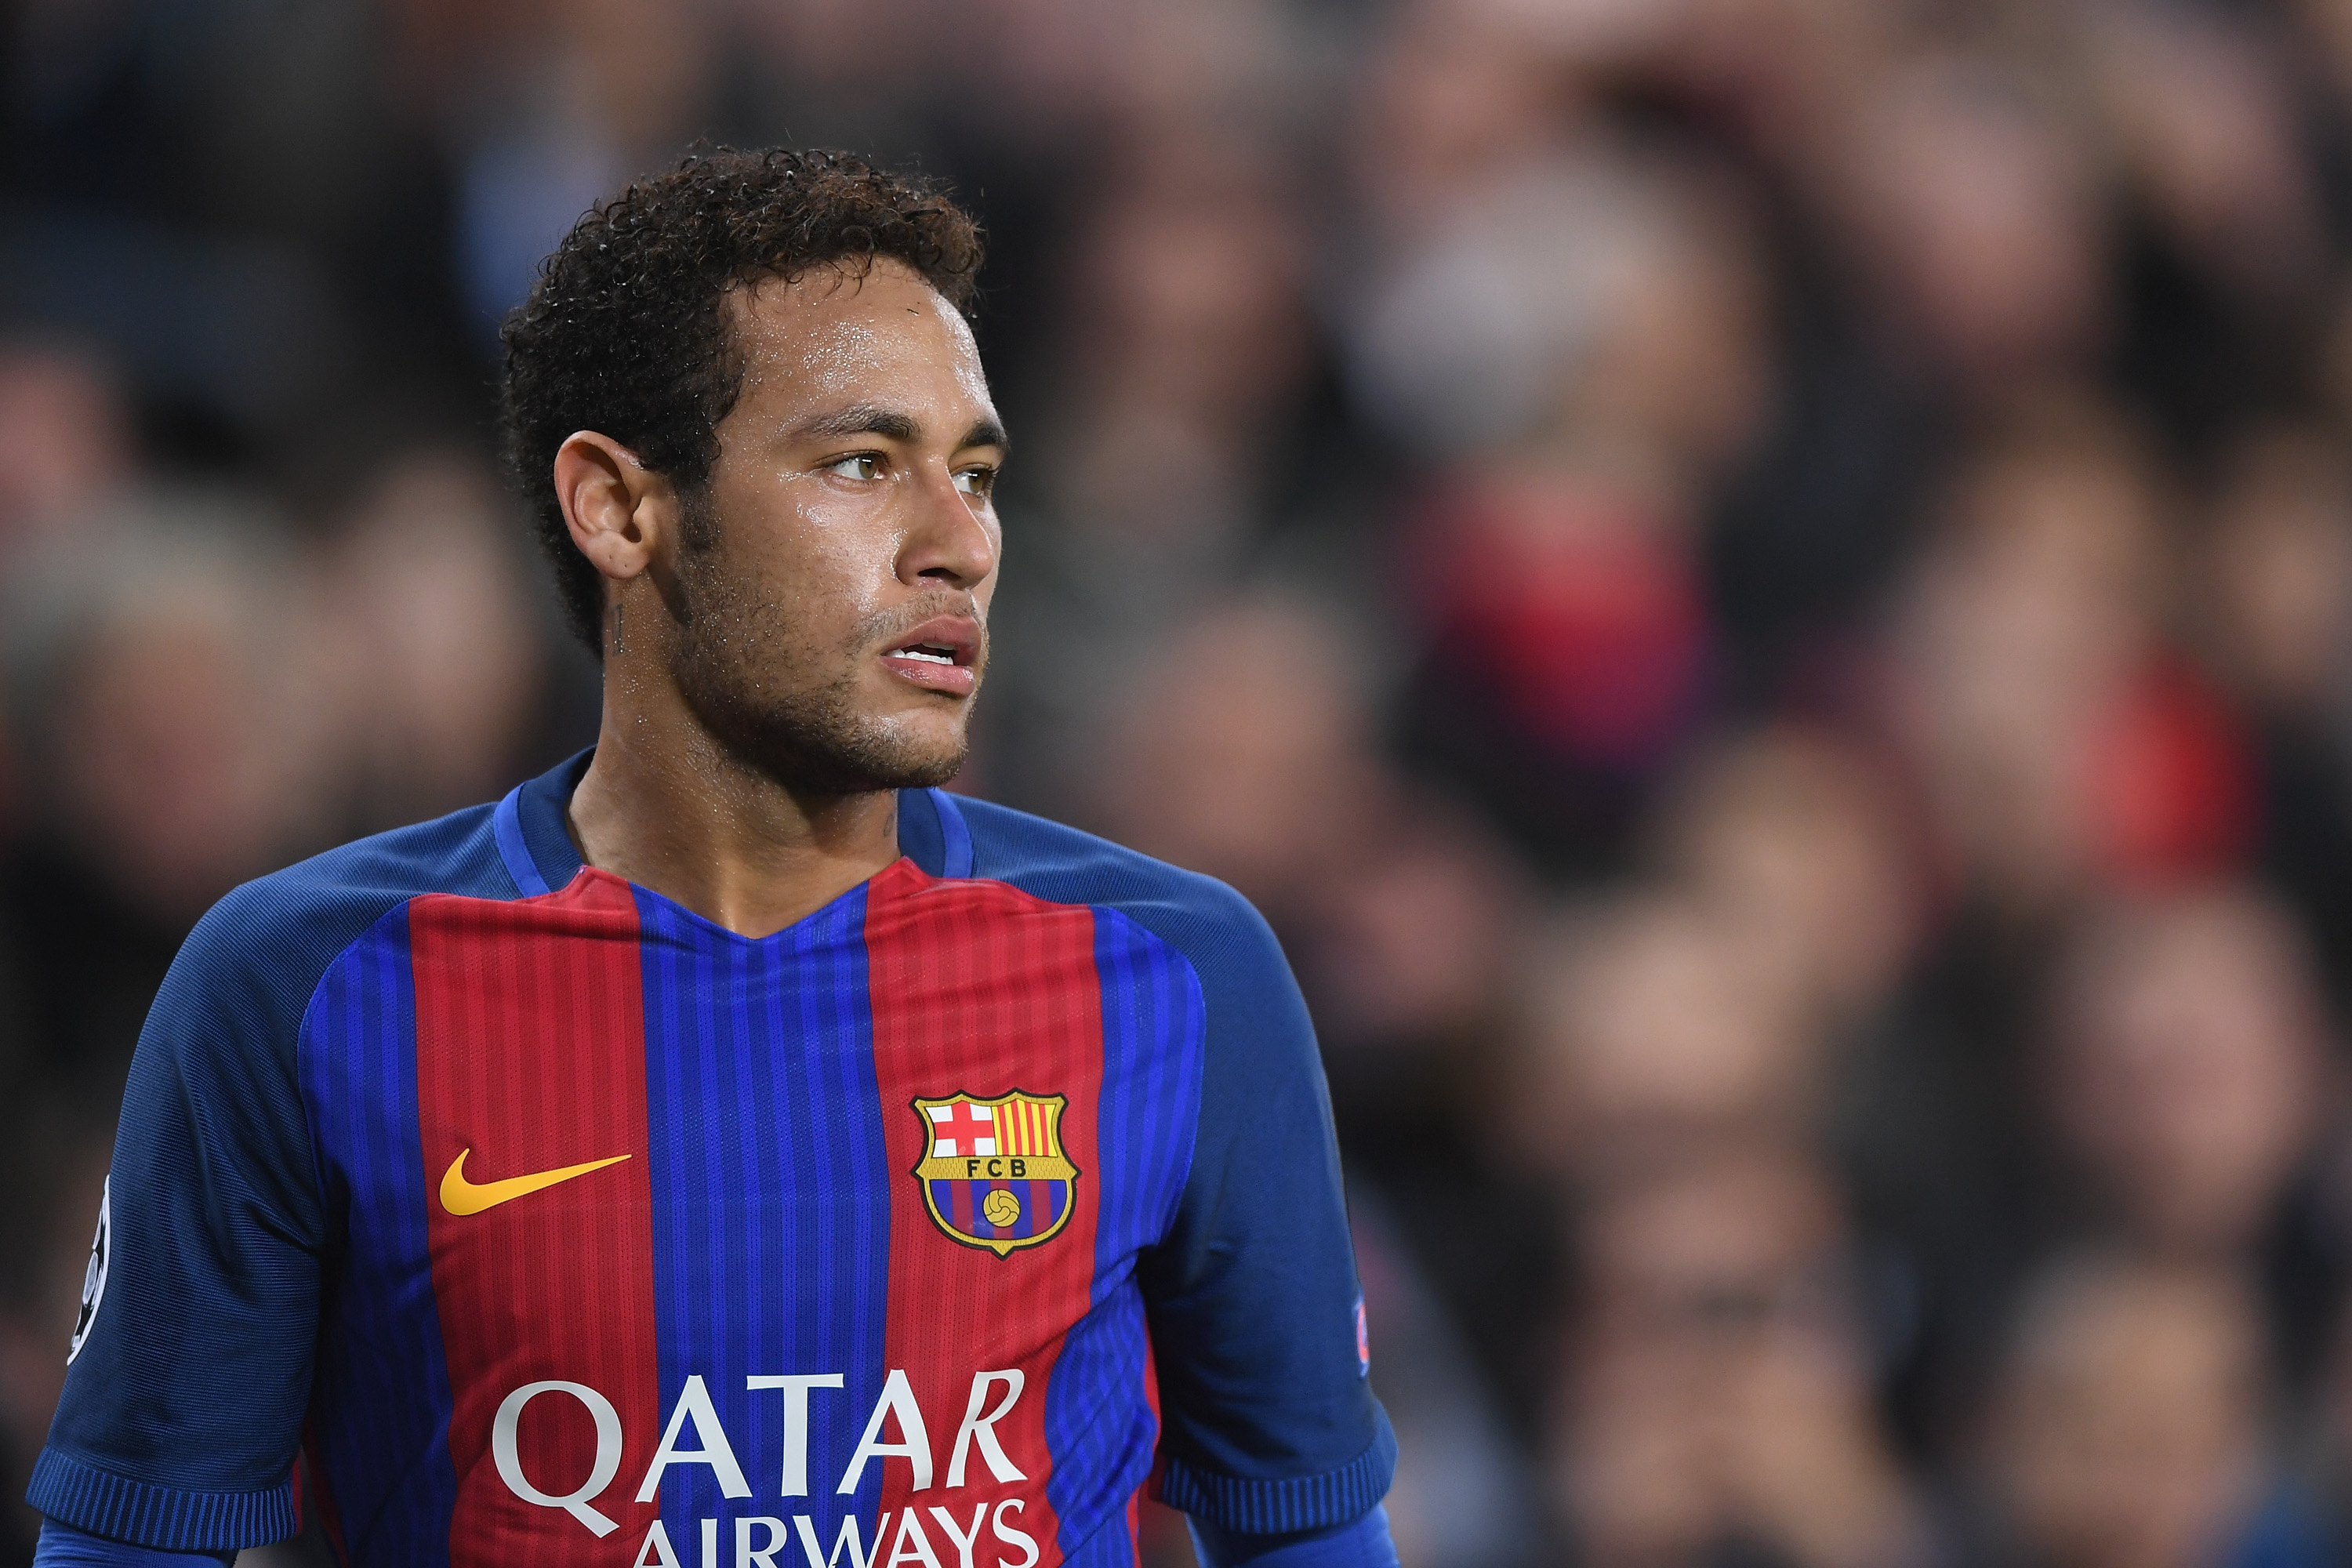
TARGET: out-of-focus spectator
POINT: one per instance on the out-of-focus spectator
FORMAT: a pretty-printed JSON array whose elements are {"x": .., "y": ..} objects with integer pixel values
[
  {"x": 2278, "y": 558},
  {"x": 1582, "y": 413},
  {"x": 1245, "y": 752},
  {"x": 1569, "y": 652},
  {"x": 580, "y": 101},
  {"x": 1654, "y": 1031},
  {"x": 1170, "y": 443},
  {"x": 1395, "y": 908},
  {"x": 165, "y": 708},
  {"x": 65, "y": 445},
  {"x": 150, "y": 656},
  {"x": 1970, "y": 204},
  {"x": 1717, "y": 1388},
  {"x": 2188, "y": 1072},
  {"x": 1591, "y": 299},
  {"x": 2132, "y": 1427},
  {"x": 1801, "y": 838},
  {"x": 2190, "y": 1082},
  {"x": 2276, "y": 624},
  {"x": 2212, "y": 143},
  {"x": 64, "y": 442},
  {"x": 1249, "y": 753},
  {"x": 429, "y": 640},
  {"x": 2055, "y": 737},
  {"x": 1187, "y": 343},
  {"x": 1456, "y": 97}
]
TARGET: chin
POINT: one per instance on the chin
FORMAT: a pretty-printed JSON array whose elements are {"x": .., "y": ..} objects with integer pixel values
[
  {"x": 926, "y": 771},
  {"x": 925, "y": 748},
  {"x": 857, "y": 760}
]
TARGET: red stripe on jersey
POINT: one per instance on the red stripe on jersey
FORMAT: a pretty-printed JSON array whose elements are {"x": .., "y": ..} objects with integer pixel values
[
  {"x": 979, "y": 989},
  {"x": 530, "y": 1058}
]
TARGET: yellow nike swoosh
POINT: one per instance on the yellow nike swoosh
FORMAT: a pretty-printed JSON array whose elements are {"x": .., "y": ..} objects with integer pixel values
[{"x": 460, "y": 1197}]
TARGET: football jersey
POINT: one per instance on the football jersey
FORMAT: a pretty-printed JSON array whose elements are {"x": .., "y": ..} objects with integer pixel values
[{"x": 549, "y": 1222}]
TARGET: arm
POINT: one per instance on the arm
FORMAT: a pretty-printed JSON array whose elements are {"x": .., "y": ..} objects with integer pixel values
[
  {"x": 1272, "y": 1441},
  {"x": 190, "y": 1365},
  {"x": 63, "y": 1546}
]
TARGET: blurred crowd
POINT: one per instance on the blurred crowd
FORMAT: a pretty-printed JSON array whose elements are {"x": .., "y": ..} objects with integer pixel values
[{"x": 1762, "y": 590}]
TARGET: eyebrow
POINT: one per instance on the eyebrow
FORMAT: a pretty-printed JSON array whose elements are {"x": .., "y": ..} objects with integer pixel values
[
  {"x": 871, "y": 419},
  {"x": 986, "y": 433},
  {"x": 857, "y": 419}
]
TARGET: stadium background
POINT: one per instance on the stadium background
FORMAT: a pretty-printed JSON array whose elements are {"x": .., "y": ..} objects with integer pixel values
[{"x": 1762, "y": 590}]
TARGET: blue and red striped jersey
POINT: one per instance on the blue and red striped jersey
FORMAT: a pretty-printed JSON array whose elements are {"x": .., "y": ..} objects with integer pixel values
[{"x": 547, "y": 1222}]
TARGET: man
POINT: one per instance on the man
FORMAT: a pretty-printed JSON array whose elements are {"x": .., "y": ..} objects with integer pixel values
[{"x": 728, "y": 1149}]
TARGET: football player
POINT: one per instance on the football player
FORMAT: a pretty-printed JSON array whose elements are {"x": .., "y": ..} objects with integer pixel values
[{"x": 728, "y": 1149}]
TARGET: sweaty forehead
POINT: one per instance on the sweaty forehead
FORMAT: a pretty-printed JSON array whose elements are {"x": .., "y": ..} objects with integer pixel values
[{"x": 830, "y": 335}]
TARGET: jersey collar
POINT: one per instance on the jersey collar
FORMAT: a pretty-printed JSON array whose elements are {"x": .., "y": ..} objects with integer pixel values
[{"x": 540, "y": 856}]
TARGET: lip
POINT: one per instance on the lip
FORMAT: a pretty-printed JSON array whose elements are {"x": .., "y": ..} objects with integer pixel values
[{"x": 959, "y": 636}]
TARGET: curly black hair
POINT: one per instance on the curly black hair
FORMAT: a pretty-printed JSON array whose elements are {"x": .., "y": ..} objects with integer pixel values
[{"x": 626, "y": 331}]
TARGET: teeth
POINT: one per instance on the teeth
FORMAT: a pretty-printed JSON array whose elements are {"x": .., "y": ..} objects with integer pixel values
[{"x": 928, "y": 655}]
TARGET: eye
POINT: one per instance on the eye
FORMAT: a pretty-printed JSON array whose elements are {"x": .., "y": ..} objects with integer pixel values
[
  {"x": 860, "y": 466},
  {"x": 980, "y": 481}
]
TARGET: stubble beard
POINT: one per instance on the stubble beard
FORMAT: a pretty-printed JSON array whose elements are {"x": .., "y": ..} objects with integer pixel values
[{"x": 731, "y": 649}]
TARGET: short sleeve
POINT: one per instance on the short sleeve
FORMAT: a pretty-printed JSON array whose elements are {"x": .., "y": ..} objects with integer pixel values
[
  {"x": 1257, "y": 1325},
  {"x": 190, "y": 1361}
]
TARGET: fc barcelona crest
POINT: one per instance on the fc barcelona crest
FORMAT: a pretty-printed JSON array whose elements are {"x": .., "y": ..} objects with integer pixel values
[{"x": 993, "y": 1171}]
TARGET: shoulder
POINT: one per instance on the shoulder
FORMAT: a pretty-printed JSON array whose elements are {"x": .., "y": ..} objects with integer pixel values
[
  {"x": 1063, "y": 865},
  {"x": 1218, "y": 931},
  {"x": 267, "y": 944},
  {"x": 218, "y": 1064}
]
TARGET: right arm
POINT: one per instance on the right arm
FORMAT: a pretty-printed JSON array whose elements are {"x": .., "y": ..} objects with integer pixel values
[{"x": 190, "y": 1369}]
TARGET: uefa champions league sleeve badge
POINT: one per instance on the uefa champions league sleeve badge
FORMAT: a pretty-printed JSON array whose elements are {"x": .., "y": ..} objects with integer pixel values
[
  {"x": 993, "y": 1171},
  {"x": 93, "y": 1279}
]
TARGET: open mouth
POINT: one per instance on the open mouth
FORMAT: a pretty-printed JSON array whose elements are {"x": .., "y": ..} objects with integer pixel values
[
  {"x": 928, "y": 653},
  {"x": 939, "y": 655}
]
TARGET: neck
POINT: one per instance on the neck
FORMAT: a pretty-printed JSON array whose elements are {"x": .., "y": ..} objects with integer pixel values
[{"x": 676, "y": 813}]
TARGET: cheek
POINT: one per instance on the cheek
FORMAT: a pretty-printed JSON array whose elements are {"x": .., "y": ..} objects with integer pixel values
[
  {"x": 789, "y": 542},
  {"x": 845, "y": 569}
]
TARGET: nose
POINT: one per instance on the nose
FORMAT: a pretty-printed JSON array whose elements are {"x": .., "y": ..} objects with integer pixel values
[{"x": 949, "y": 540}]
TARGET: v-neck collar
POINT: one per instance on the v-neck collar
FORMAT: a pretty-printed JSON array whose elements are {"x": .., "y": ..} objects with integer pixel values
[{"x": 537, "y": 848}]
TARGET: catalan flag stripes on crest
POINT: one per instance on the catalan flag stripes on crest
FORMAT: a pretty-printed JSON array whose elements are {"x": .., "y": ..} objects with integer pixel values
[{"x": 1025, "y": 1127}]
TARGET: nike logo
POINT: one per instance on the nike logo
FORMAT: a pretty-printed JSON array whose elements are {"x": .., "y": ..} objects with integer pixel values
[{"x": 460, "y": 1197}]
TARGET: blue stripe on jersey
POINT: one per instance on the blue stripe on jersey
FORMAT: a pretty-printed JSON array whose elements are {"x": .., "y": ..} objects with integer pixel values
[
  {"x": 773, "y": 1042},
  {"x": 506, "y": 826},
  {"x": 381, "y": 1393},
  {"x": 1153, "y": 1024},
  {"x": 955, "y": 838}
]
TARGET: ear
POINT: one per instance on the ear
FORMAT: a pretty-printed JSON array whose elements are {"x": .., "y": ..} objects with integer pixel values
[{"x": 619, "y": 511}]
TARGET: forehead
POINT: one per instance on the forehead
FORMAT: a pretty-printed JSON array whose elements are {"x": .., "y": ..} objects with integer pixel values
[{"x": 832, "y": 336}]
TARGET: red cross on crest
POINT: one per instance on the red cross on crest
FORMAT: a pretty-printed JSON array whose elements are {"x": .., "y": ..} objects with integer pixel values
[{"x": 962, "y": 1127}]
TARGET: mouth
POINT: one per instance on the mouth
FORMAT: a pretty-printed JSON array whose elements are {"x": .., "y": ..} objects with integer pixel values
[
  {"x": 941, "y": 655},
  {"x": 928, "y": 653}
]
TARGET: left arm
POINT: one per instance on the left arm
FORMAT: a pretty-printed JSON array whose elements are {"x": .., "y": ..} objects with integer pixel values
[{"x": 1272, "y": 1440}]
